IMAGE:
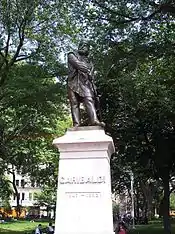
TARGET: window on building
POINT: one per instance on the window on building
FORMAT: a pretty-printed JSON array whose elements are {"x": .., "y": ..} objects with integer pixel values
[
  {"x": 17, "y": 182},
  {"x": 30, "y": 196},
  {"x": 22, "y": 183},
  {"x": 19, "y": 195},
  {"x": 37, "y": 184},
  {"x": 23, "y": 196},
  {"x": 14, "y": 197}
]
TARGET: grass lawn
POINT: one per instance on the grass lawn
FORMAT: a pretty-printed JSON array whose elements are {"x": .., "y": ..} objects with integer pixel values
[
  {"x": 150, "y": 229},
  {"x": 20, "y": 227},
  {"x": 23, "y": 227}
]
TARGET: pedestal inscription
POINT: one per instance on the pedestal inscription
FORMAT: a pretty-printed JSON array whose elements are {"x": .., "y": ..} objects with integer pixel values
[
  {"x": 82, "y": 180},
  {"x": 84, "y": 203},
  {"x": 83, "y": 194}
]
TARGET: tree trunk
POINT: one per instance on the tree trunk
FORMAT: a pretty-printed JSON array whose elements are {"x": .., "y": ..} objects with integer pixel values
[
  {"x": 54, "y": 211},
  {"x": 138, "y": 197},
  {"x": 148, "y": 191},
  {"x": 150, "y": 209},
  {"x": 166, "y": 203},
  {"x": 47, "y": 211},
  {"x": 145, "y": 210},
  {"x": 137, "y": 207},
  {"x": 18, "y": 208}
]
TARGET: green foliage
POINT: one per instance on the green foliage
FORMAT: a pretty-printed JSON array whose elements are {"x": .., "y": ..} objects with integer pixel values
[
  {"x": 29, "y": 114},
  {"x": 6, "y": 205},
  {"x": 115, "y": 209},
  {"x": 32, "y": 89},
  {"x": 47, "y": 197},
  {"x": 31, "y": 101},
  {"x": 172, "y": 201},
  {"x": 133, "y": 50},
  {"x": 32, "y": 114},
  {"x": 21, "y": 227},
  {"x": 134, "y": 55},
  {"x": 48, "y": 175},
  {"x": 33, "y": 28},
  {"x": 5, "y": 190}
]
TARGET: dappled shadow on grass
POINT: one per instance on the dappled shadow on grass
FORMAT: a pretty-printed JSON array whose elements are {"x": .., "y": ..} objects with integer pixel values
[
  {"x": 147, "y": 231},
  {"x": 150, "y": 229},
  {"x": 7, "y": 231},
  {"x": 4, "y": 231}
]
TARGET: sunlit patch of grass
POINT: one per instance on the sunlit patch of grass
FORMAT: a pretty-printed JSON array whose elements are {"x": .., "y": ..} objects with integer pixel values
[{"x": 20, "y": 227}]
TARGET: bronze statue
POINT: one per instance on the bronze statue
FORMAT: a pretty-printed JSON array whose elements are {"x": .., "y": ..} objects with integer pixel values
[{"x": 81, "y": 86}]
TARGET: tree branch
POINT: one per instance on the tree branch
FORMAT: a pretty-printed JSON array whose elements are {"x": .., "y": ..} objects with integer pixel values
[
  {"x": 2, "y": 55},
  {"x": 151, "y": 15},
  {"x": 23, "y": 58},
  {"x": 120, "y": 21},
  {"x": 9, "y": 171},
  {"x": 17, "y": 50},
  {"x": 113, "y": 11},
  {"x": 163, "y": 8},
  {"x": 9, "y": 181},
  {"x": 7, "y": 44},
  {"x": 4, "y": 60},
  {"x": 21, "y": 29}
]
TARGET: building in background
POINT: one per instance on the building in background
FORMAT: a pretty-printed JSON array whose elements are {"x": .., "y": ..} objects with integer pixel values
[{"x": 27, "y": 191}]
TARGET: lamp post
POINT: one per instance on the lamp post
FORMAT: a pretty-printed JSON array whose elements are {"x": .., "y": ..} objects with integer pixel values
[{"x": 132, "y": 198}]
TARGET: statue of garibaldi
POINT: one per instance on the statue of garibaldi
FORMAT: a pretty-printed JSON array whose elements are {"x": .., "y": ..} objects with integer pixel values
[{"x": 81, "y": 88}]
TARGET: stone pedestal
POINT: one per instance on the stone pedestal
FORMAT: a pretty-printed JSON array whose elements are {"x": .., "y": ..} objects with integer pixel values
[{"x": 84, "y": 204}]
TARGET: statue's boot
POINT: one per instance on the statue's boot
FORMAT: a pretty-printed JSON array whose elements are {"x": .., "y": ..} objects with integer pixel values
[
  {"x": 98, "y": 123},
  {"x": 90, "y": 107}
]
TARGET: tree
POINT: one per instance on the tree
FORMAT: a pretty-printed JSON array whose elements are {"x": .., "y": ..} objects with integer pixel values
[
  {"x": 134, "y": 54},
  {"x": 5, "y": 189},
  {"x": 32, "y": 35},
  {"x": 47, "y": 198},
  {"x": 30, "y": 115},
  {"x": 48, "y": 175},
  {"x": 32, "y": 30}
]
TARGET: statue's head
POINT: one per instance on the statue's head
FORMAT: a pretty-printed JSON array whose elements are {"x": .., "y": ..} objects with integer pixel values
[{"x": 83, "y": 47}]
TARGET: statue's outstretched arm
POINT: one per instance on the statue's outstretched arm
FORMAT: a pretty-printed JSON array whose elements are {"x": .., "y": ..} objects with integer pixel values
[{"x": 77, "y": 64}]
